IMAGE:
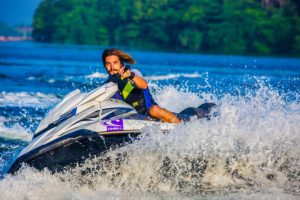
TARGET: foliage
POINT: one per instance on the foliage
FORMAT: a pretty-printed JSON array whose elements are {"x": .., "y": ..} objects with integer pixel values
[{"x": 210, "y": 26}]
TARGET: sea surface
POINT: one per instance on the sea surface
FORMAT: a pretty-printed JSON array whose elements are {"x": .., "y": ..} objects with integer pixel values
[{"x": 251, "y": 150}]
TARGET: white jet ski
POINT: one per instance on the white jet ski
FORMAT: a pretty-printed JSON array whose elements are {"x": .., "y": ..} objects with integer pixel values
[{"x": 84, "y": 125}]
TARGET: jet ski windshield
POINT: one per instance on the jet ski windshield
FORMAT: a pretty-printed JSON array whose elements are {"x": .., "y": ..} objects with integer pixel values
[{"x": 75, "y": 103}]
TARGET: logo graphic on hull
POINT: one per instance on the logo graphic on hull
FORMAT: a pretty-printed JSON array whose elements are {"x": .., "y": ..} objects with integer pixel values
[{"x": 114, "y": 125}]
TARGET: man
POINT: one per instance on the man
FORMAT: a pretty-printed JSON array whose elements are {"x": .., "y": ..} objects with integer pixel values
[{"x": 133, "y": 88}]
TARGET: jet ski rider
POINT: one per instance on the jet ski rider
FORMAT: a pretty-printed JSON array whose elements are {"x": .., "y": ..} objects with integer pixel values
[{"x": 133, "y": 88}]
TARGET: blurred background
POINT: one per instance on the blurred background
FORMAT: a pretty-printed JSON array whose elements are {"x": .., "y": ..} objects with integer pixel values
[{"x": 251, "y": 27}]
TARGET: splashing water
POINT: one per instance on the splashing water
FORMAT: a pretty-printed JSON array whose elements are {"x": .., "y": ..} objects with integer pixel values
[
  {"x": 25, "y": 99},
  {"x": 251, "y": 148}
]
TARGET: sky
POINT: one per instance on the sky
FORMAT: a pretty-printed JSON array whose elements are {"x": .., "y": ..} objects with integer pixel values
[{"x": 15, "y": 12}]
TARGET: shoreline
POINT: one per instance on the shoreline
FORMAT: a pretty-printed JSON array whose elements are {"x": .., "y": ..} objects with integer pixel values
[{"x": 14, "y": 38}]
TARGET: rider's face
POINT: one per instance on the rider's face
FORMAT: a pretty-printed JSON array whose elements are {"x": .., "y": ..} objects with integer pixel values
[{"x": 112, "y": 64}]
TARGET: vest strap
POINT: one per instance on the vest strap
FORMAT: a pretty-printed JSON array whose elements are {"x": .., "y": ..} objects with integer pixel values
[
  {"x": 127, "y": 90},
  {"x": 135, "y": 104}
]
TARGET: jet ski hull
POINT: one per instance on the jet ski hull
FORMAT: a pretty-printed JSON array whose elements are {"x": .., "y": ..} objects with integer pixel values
[{"x": 73, "y": 151}]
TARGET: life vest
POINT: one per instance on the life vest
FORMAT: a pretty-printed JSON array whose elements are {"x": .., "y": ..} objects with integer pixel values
[{"x": 133, "y": 96}]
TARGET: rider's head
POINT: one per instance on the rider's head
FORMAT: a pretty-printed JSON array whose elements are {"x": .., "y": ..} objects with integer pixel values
[{"x": 114, "y": 59}]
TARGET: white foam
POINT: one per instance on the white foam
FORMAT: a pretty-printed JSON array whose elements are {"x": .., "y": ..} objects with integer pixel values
[
  {"x": 255, "y": 137},
  {"x": 31, "y": 78},
  {"x": 175, "y": 101},
  {"x": 31, "y": 184},
  {"x": 154, "y": 77},
  {"x": 172, "y": 76},
  {"x": 97, "y": 75},
  {"x": 14, "y": 132},
  {"x": 246, "y": 145},
  {"x": 27, "y": 99},
  {"x": 51, "y": 81}
]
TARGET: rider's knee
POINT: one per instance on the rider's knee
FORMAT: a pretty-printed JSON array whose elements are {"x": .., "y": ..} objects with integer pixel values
[{"x": 154, "y": 110}]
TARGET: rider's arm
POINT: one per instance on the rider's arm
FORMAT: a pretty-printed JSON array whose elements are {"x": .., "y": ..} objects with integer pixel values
[
  {"x": 139, "y": 82},
  {"x": 137, "y": 79}
]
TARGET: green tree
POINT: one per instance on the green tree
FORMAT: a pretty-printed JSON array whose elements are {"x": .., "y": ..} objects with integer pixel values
[{"x": 211, "y": 26}]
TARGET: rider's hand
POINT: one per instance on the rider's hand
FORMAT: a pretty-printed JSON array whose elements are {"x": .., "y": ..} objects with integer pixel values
[{"x": 125, "y": 74}]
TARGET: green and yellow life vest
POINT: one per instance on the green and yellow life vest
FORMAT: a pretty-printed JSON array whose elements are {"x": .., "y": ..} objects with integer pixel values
[{"x": 132, "y": 95}]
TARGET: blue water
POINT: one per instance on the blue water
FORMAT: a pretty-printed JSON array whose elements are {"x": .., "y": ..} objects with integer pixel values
[{"x": 257, "y": 132}]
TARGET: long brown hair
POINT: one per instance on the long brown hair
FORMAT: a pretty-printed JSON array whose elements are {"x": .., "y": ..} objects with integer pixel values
[{"x": 124, "y": 57}]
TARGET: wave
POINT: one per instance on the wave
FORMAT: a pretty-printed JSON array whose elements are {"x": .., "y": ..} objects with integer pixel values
[
  {"x": 23, "y": 99},
  {"x": 15, "y": 132},
  {"x": 251, "y": 148},
  {"x": 97, "y": 75},
  {"x": 253, "y": 144},
  {"x": 51, "y": 80},
  {"x": 152, "y": 77},
  {"x": 69, "y": 79},
  {"x": 172, "y": 76},
  {"x": 175, "y": 99}
]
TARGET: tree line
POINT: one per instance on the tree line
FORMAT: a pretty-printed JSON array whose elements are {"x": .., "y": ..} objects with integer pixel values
[{"x": 203, "y": 26}]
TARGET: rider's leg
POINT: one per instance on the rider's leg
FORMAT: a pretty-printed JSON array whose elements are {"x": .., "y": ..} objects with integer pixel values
[{"x": 157, "y": 112}]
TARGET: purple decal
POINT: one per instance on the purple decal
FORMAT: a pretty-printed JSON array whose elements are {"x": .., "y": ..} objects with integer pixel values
[{"x": 114, "y": 125}]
